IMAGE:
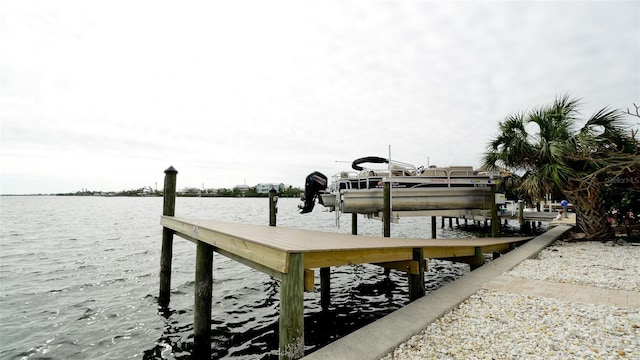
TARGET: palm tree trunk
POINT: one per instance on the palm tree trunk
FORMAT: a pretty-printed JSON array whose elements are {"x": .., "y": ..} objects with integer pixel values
[{"x": 591, "y": 215}]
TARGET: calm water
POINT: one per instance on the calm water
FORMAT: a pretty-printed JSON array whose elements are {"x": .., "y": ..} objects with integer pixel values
[{"x": 79, "y": 279}]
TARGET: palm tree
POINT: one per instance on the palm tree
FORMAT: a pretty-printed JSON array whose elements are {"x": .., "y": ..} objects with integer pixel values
[{"x": 554, "y": 156}]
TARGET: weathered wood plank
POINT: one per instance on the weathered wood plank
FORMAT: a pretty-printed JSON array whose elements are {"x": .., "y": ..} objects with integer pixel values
[
  {"x": 348, "y": 257},
  {"x": 309, "y": 280},
  {"x": 408, "y": 266},
  {"x": 447, "y": 252},
  {"x": 497, "y": 248},
  {"x": 255, "y": 252}
]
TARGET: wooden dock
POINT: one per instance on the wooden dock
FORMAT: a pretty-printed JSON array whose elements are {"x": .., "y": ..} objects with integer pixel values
[{"x": 291, "y": 255}]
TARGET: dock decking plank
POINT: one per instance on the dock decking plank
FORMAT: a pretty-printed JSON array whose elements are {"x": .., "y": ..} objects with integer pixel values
[{"x": 270, "y": 246}]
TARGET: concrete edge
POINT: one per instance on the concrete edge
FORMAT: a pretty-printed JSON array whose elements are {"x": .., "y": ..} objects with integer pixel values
[{"x": 379, "y": 338}]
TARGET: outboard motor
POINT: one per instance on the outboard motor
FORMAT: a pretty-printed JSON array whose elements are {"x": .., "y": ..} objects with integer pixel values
[{"x": 314, "y": 183}]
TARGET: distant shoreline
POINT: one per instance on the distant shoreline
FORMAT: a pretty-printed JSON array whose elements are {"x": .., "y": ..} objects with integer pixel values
[{"x": 146, "y": 196}]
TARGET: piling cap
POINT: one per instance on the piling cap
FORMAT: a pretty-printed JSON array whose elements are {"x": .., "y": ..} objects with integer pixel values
[{"x": 171, "y": 170}]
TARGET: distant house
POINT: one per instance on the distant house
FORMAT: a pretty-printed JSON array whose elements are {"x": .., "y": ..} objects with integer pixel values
[
  {"x": 190, "y": 191},
  {"x": 241, "y": 188},
  {"x": 265, "y": 188}
]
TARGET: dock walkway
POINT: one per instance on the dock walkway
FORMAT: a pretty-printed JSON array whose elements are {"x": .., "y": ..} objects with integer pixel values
[
  {"x": 290, "y": 255},
  {"x": 270, "y": 246}
]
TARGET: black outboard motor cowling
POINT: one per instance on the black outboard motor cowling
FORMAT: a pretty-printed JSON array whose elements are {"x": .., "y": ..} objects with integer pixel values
[{"x": 314, "y": 183}]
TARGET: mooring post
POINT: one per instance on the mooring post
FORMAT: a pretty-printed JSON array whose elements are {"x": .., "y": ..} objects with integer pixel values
[
  {"x": 202, "y": 305},
  {"x": 521, "y": 214},
  {"x": 273, "y": 207},
  {"x": 325, "y": 287},
  {"x": 169, "y": 208},
  {"x": 292, "y": 309},
  {"x": 386, "y": 211},
  {"x": 386, "y": 215},
  {"x": 478, "y": 258},
  {"x": 416, "y": 281},
  {"x": 433, "y": 227},
  {"x": 495, "y": 220},
  {"x": 354, "y": 223}
]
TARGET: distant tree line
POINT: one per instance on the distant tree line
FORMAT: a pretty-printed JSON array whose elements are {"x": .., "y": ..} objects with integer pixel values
[{"x": 289, "y": 191}]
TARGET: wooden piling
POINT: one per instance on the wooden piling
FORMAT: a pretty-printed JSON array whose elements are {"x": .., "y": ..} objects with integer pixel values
[
  {"x": 202, "y": 305},
  {"x": 291, "y": 309},
  {"x": 386, "y": 214},
  {"x": 495, "y": 220},
  {"x": 354, "y": 223},
  {"x": 169, "y": 197},
  {"x": 478, "y": 258},
  {"x": 273, "y": 207},
  {"x": 521, "y": 215},
  {"x": 325, "y": 287},
  {"x": 433, "y": 227},
  {"x": 416, "y": 281},
  {"x": 450, "y": 222},
  {"x": 387, "y": 210}
]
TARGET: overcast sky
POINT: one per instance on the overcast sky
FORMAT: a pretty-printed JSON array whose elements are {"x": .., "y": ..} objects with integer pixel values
[{"x": 106, "y": 95}]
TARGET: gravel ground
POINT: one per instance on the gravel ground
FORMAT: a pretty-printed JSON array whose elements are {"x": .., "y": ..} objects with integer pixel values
[
  {"x": 606, "y": 266},
  {"x": 502, "y": 325}
]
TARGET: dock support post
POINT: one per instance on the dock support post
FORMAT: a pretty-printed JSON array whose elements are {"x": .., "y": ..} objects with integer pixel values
[
  {"x": 450, "y": 223},
  {"x": 521, "y": 214},
  {"x": 433, "y": 227},
  {"x": 354, "y": 223},
  {"x": 325, "y": 287},
  {"x": 495, "y": 220},
  {"x": 478, "y": 258},
  {"x": 202, "y": 306},
  {"x": 273, "y": 207},
  {"x": 292, "y": 309},
  {"x": 442, "y": 220},
  {"x": 387, "y": 209},
  {"x": 386, "y": 214},
  {"x": 169, "y": 197},
  {"x": 416, "y": 282}
]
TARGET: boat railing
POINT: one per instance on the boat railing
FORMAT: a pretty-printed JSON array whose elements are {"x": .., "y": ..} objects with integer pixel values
[{"x": 373, "y": 178}]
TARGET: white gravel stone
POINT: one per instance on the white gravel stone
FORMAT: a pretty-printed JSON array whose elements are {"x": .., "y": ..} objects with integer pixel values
[
  {"x": 501, "y": 325},
  {"x": 585, "y": 263}
]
